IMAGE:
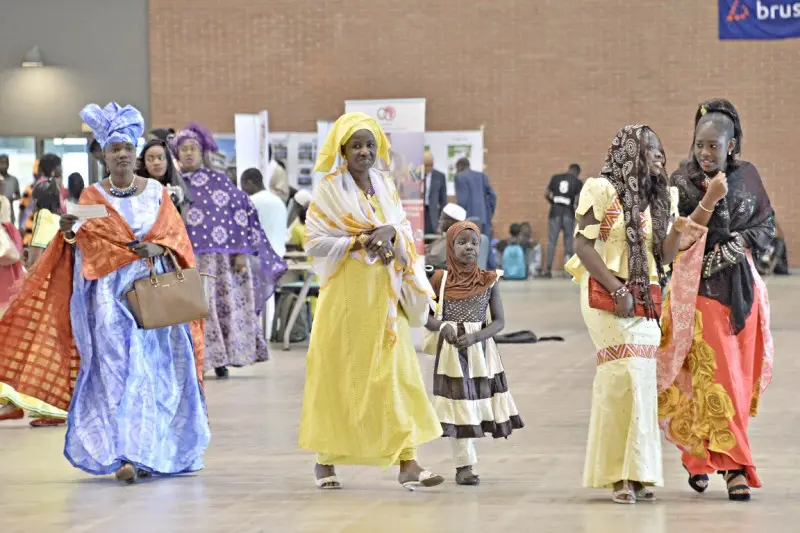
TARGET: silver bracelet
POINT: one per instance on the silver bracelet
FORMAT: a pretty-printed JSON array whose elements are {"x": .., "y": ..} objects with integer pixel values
[{"x": 620, "y": 293}]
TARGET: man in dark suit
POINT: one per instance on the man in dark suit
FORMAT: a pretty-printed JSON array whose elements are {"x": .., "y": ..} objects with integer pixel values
[
  {"x": 475, "y": 194},
  {"x": 435, "y": 194}
]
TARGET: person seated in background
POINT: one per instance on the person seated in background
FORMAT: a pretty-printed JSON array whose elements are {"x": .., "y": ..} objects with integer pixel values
[
  {"x": 436, "y": 251},
  {"x": 296, "y": 238},
  {"x": 533, "y": 250},
  {"x": 513, "y": 254}
]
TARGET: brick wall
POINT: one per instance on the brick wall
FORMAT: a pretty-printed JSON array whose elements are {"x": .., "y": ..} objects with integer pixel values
[{"x": 551, "y": 80}]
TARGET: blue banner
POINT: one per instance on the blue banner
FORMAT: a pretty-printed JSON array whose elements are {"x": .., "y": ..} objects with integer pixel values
[{"x": 759, "y": 19}]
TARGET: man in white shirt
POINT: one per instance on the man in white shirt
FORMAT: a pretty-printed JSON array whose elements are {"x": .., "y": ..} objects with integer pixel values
[{"x": 272, "y": 215}]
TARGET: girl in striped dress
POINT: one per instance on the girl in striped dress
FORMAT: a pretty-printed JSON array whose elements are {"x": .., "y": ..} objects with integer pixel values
[{"x": 470, "y": 391}]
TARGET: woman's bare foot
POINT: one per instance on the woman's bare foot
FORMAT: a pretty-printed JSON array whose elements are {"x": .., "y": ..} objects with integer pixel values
[
  {"x": 127, "y": 473},
  {"x": 326, "y": 477}
]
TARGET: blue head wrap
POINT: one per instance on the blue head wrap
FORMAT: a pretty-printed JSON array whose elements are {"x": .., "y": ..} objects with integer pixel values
[{"x": 114, "y": 124}]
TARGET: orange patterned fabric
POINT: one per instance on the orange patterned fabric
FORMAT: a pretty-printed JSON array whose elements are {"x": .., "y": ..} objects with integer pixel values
[
  {"x": 612, "y": 214},
  {"x": 38, "y": 356},
  {"x": 623, "y": 351}
]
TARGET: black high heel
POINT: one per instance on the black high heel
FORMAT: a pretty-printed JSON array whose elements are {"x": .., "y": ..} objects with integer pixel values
[
  {"x": 729, "y": 476},
  {"x": 693, "y": 481}
]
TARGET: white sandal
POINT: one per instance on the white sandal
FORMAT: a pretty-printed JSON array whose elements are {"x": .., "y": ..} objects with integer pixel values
[
  {"x": 624, "y": 495},
  {"x": 425, "y": 479},
  {"x": 328, "y": 483}
]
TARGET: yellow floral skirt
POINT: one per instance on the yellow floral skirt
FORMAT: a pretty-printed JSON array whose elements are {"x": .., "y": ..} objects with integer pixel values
[
  {"x": 706, "y": 411},
  {"x": 364, "y": 401}
]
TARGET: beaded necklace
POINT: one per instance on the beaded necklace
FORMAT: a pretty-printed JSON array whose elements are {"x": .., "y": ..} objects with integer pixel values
[{"x": 122, "y": 192}]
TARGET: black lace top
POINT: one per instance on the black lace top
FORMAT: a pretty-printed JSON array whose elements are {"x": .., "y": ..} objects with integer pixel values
[{"x": 473, "y": 309}]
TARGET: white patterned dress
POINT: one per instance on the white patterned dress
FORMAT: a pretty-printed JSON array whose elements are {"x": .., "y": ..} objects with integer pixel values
[
  {"x": 470, "y": 391},
  {"x": 624, "y": 439}
]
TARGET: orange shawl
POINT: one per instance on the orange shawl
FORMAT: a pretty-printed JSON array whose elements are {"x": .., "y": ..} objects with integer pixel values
[{"x": 38, "y": 356}]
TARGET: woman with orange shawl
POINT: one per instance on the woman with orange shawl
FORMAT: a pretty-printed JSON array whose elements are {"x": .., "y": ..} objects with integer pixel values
[{"x": 134, "y": 396}]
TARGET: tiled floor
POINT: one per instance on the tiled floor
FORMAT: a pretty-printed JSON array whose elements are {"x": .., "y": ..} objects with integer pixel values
[{"x": 256, "y": 479}]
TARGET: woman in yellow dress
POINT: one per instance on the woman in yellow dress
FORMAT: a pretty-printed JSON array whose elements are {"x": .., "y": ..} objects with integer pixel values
[
  {"x": 622, "y": 241},
  {"x": 365, "y": 401}
]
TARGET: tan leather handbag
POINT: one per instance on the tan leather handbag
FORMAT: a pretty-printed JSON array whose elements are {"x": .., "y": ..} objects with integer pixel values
[{"x": 168, "y": 299}]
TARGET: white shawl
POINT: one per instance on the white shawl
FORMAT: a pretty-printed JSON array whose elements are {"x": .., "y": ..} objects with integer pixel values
[{"x": 339, "y": 213}]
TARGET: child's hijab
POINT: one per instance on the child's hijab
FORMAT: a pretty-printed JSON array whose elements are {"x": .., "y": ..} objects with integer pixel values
[{"x": 463, "y": 281}]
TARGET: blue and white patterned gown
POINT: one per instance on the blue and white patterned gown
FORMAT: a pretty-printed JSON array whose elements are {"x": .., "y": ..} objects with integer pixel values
[{"x": 137, "y": 398}]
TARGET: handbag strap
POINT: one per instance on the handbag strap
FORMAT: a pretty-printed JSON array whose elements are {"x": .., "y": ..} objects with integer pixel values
[
  {"x": 440, "y": 306},
  {"x": 152, "y": 265}
]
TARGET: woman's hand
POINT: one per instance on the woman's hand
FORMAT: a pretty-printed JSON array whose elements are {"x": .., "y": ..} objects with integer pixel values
[
  {"x": 681, "y": 224},
  {"x": 381, "y": 243},
  {"x": 146, "y": 250},
  {"x": 240, "y": 263},
  {"x": 66, "y": 222},
  {"x": 449, "y": 334},
  {"x": 717, "y": 189},
  {"x": 625, "y": 306},
  {"x": 465, "y": 341}
]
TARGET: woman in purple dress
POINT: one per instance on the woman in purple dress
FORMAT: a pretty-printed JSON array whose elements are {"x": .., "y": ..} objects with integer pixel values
[{"x": 231, "y": 246}]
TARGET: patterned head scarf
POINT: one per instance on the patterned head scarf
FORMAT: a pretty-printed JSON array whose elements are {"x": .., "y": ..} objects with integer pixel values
[
  {"x": 194, "y": 132},
  {"x": 463, "y": 281},
  {"x": 340, "y": 133},
  {"x": 114, "y": 124},
  {"x": 627, "y": 170}
]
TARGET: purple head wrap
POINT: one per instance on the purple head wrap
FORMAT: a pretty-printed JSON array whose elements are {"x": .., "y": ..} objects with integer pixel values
[
  {"x": 194, "y": 132},
  {"x": 113, "y": 124}
]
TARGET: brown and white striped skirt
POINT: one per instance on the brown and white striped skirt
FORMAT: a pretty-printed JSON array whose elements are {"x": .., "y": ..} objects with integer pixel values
[{"x": 470, "y": 391}]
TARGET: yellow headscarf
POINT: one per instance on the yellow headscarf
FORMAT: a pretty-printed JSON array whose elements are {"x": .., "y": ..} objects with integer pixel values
[{"x": 340, "y": 133}]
